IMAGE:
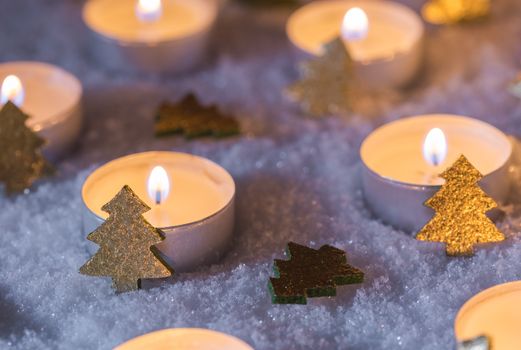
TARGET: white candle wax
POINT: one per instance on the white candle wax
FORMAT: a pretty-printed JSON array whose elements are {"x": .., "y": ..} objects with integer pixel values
[
  {"x": 196, "y": 216},
  {"x": 395, "y": 170},
  {"x": 185, "y": 339},
  {"x": 52, "y": 99},
  {"x": 194, "y": 195},
  {"x": 496, "y": 313},
  {"x": 394, "y": 151},
  {"x": 175, "y": 41},
  {"x": 388, "y": 56}
]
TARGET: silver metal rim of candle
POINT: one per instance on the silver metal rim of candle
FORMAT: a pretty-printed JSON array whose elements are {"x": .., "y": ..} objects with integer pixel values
[{"x": 481, "y": 342}]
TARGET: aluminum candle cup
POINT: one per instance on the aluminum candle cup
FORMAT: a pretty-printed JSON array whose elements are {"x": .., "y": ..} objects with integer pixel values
[
  {"x": 50, "y": 96},
  {"x": 185, "y": 339},
  {"x": 196, "y": 214},
  {"x": 172, "y": 37},
  {"x": 397, "y": 180},
  {"x": 496, "y": 313},
  {"x": 385, "y": 39}
]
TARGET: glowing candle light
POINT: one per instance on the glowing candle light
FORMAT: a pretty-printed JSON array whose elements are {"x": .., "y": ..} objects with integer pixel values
[
  {"x": 12, "y": 90},
  {"x": 191, "y": 200},
  {"x": 355, "y": 25},
  {"x": 384, "y": 38},
  {"x": 154, "y": 35},
  {"x": 403, "y": 160},
  {"x": 149, "y": 10},
  {"x": 50, "y": 96},
  {"x": 435, "y": 147},
  {"x": 158, "y": 185}
]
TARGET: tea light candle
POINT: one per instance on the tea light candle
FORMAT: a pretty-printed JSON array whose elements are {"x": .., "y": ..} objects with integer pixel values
[
  {"x": 384, "y": 38},
  {"x": 496, "y": 313},
  {"x": 155, "y": 35},
  {"x": 402, "y": 160},
  {"x": 50, "y": 96},
  {"x": 185, "y": 339},
  {"x": 192, "y": 201}
]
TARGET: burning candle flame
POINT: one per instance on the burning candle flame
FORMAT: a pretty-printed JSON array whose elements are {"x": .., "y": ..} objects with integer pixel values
[
  {"x": 148, "y": 10},
  {"x": 435, "y": 147},
  {"x": 12, "y": 90},
  {"x": 158, "y": 185},
  {"x": 355, "y": 25}
]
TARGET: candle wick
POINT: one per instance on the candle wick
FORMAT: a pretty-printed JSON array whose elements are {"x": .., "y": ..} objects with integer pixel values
[
  {"x": 158, "y": 197},
  {"x": 435, "y": 160}
]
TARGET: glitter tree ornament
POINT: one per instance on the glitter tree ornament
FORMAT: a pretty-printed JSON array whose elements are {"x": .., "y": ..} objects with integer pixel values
[
  {"x": 461, "y": 206},
  {"x": 311, "y": 273},
  {"x": 190, "y": 118},
  {"x": 325, "y": 85},
  {"x": 455, "y": 11},
  {"x": 126, "y": 240},
  {"x": 21, "y": 159}
]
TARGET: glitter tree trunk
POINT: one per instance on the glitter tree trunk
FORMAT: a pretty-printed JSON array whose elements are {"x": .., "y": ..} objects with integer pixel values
[
  {"x": 461, "y": 206},
  {"x": 126, "y": 242}
]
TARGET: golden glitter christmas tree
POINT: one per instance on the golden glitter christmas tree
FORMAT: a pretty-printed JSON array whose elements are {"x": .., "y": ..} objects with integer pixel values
[
  {"x": 126, "y": 240},
  {"x": 461, "y": 206},
  {"x": 21, "y": 159},
  {"x": 325, "y": 83},
  {"x": 455, "y": 11}
]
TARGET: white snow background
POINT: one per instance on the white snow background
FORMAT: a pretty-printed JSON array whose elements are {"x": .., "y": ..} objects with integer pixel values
[{"x": 297, "y": 179}]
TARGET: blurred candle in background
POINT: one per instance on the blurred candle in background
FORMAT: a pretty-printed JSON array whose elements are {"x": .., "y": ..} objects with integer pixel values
[
  {"x": 153, "y": 35},
  {"x": 50, "y": 96},
  {"x": 384, "y": 38}
]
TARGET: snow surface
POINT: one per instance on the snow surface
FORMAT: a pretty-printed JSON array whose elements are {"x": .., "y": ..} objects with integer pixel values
[{"x": 298, "y": 179}]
